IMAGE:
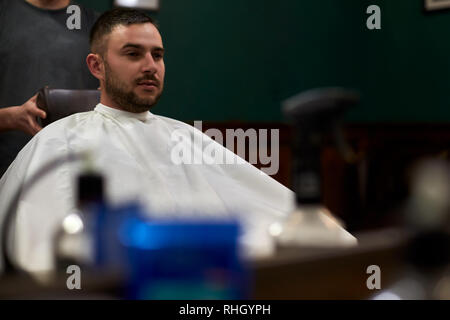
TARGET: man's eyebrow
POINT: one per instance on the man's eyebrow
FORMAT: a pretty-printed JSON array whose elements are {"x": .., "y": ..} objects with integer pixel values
[
  {"x": 140, "y": 47},
  {"x": 161, "y": 49},
  {"x": 132, "y": 45}
]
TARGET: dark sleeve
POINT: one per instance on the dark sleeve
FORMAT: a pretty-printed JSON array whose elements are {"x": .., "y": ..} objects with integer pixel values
[
  {"x": 91, "y": 16},
  {"x": 2, "y": 9},
  {"x": 3, "y": 12}
]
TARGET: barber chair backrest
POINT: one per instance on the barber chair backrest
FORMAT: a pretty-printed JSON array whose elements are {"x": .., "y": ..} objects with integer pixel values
[{"x": 60, "y": 103}]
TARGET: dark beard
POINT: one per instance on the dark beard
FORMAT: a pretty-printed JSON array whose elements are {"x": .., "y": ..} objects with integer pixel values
[{"x": 127, "y": 100}]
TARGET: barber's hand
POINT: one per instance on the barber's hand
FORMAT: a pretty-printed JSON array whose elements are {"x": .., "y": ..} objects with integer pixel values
[{"x": 24, "y": 116}]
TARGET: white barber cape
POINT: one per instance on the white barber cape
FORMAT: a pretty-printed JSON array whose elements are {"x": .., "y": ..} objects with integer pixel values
[{"x": 135, "y": 152}]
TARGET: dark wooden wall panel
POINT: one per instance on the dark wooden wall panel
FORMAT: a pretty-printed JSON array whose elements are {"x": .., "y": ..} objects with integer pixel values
[{"x": 368, "y": 193}]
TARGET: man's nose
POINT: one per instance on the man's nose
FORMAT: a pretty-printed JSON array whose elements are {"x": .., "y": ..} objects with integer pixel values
[{"x": 149, "y": 64}]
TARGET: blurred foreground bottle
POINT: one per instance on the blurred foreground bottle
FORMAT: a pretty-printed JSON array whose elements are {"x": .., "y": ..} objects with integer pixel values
[
  {"x": 426, "y": 273},
  {"x": 154, "y": 259},
  {"x": 74, "y": 242},
  {"x": 315, "y": 114}
]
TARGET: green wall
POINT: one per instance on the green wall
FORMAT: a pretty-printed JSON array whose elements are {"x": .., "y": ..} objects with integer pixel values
[{"x": 237, "y": 60}]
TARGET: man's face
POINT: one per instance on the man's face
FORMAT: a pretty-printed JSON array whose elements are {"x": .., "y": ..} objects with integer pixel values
[{"x": 134, "y": 67}]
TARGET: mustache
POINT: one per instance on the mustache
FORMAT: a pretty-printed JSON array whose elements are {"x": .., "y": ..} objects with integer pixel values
[{"x": 148, "y": 78}]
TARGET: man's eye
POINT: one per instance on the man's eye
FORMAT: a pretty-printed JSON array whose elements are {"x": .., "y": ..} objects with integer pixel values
[
  {"x": 132, "y": 54},
  {"x": 158, "y": 56}
]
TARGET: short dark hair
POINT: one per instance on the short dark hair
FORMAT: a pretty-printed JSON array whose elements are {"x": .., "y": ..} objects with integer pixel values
[{"x": 109, "y": 20}]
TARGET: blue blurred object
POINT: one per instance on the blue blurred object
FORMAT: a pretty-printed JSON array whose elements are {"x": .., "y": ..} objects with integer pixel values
[
  {"x": 109, "y": 252},
  {"x": 170, "y": 259},
  {"x": 183, "y": 260}
]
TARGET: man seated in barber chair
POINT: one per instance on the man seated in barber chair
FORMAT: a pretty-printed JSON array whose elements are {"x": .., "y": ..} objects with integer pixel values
[{"x": 136, "y": 151}]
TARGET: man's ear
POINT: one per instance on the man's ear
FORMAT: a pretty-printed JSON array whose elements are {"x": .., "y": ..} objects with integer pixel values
[{"x": 96, "y": 65}]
